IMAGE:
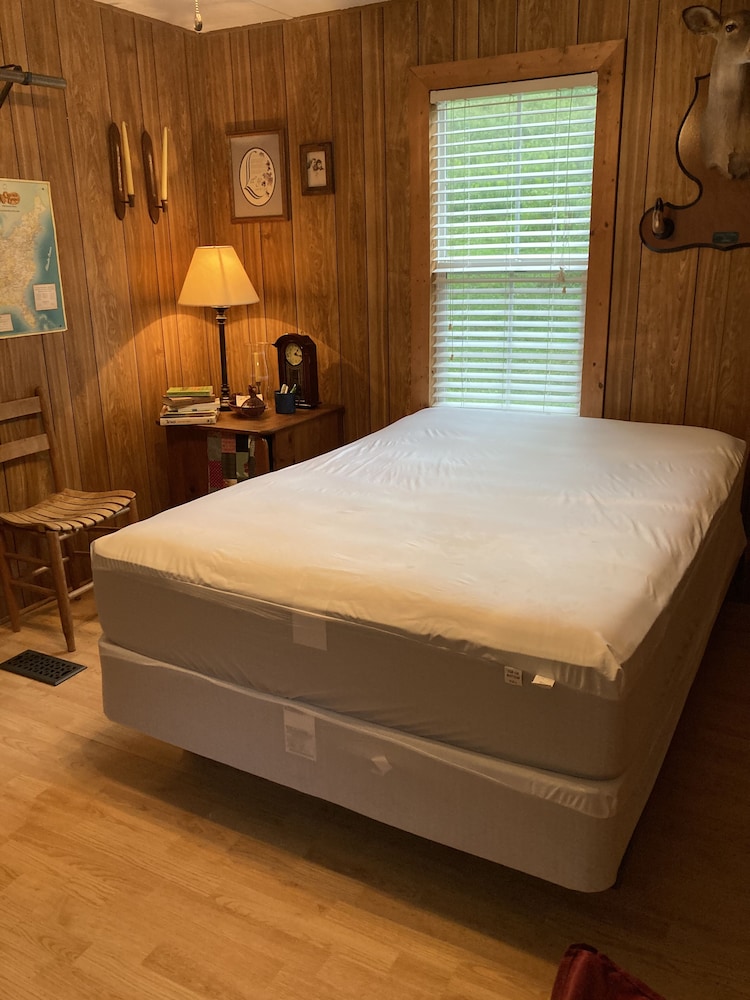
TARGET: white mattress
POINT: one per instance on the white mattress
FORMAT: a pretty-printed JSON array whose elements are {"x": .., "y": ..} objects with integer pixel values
[{"x": 527, "y": 587}]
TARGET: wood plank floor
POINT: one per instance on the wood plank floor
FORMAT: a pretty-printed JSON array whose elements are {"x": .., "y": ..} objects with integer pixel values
[{"x": 129, "y": 869}]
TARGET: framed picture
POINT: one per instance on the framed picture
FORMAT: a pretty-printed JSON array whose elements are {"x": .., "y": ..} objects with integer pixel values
[
  {"x": 258, "y": 176},
  {"x": 316, "y": 167}
]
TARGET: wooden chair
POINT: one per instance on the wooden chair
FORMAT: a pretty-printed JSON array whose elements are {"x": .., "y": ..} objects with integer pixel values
[{"x": 64, "y": 518}]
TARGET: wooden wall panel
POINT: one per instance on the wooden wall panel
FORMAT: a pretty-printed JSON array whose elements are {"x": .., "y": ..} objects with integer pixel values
[
  {"x": 667, "y": 281},
  {"x": 156, "y": 326},
  {"x": 498, "y": 26},
  {"x": 247, "y": 236},
  {"x": 373, "y": 123},
  {"x": 22, "y": 363},
  {"x": 222, "y": 91},
  {"x": 278, "y": 283},
  {"x": 188, "y": 222},
  {"x": 71, "y": 376},
  {"x": 435, "y": 31},
  {"x": 127, "y": 101},
  {"x": 309, "y": 107},
  {"x": 199, "y": 52},
  {"x": 466, "y": 29},
  {"x": 176, "y": 339},
  {"x": 599, "y": 20},
  {"x": 665, "y": 306},
  {"x": 21, "y": 112},
  {"x": 400, "y": 48},
  {"x": 104, "y": 256},
  {"x": 10, "y": 19},
  {"x": 634, "y": 144},
  {"x": 731, "y": 398},
  {"x": 351, "y": 220},
  {"x": 709, "y": 322},
  {"x": 547, "y": 24}
]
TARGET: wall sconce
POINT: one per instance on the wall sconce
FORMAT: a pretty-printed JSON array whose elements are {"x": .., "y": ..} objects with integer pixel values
[
  {"x": 661, "y": 227},
  {"x": 156, "y": 195},
  {"x": 121, "y": 170}
]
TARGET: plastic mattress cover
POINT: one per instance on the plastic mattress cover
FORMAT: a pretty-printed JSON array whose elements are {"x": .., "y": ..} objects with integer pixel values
[{"x": 557, "y": 538}]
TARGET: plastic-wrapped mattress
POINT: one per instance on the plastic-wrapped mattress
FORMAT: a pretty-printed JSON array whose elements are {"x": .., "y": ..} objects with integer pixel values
[
  {"x": 510, "y": 585},
  {"x": 532, "y": 590}
]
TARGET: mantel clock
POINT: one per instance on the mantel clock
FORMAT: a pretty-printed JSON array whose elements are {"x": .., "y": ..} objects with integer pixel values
[{"x": 298, "y": 366}]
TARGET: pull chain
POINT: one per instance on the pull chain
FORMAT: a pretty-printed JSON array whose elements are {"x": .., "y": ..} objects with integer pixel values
[{"x": 198, "y": 23}]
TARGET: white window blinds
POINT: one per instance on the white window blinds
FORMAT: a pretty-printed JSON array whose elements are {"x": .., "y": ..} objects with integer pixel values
[{"x": 511, "y": 176}]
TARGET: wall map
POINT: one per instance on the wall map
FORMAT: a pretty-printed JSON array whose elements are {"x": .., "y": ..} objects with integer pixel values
[{"x": 31, "y": 299}]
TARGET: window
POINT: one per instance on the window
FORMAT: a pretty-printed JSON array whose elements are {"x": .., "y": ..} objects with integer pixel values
[
  {"x": 475, "y": 279},
  {"x": 511, "y": 172}
]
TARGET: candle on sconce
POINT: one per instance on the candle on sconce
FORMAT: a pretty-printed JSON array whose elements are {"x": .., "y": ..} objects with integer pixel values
[
  {"x": 164, "y": 166},
  {"x": 130, "y": 190}
]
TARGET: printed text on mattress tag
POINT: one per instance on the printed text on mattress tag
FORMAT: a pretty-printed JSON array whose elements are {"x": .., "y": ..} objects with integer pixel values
[{"x": 299, "y": 734}]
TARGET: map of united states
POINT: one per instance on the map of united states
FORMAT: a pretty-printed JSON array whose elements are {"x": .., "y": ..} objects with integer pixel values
[
  {"x": 30, "y": 295},
  {"x": 20, "y": 262}
]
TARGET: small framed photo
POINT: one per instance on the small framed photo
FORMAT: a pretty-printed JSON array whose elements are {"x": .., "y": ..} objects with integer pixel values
[
  {"x": 258, "y": 176},
  {"x": 316, "y": 167}
]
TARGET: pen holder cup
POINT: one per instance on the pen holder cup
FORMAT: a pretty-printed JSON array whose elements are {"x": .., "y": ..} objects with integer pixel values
[{"x": 285, "y": 402}]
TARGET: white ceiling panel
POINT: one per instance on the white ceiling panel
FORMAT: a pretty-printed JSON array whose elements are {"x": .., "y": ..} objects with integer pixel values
[{"x": 216, "y": 14}]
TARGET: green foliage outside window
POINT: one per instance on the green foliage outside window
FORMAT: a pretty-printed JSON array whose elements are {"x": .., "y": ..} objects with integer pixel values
[{"x": 511, "y": 197}]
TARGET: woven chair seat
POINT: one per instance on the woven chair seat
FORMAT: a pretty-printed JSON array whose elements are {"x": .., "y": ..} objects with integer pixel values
[{"x": 69, "y": 510}]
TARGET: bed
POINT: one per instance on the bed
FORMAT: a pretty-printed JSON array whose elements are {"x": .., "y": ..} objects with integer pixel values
[{"x": 474, "y": 625}]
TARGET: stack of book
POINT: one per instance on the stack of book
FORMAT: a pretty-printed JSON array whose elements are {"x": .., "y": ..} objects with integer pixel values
[{"x": 189, "y": 404}]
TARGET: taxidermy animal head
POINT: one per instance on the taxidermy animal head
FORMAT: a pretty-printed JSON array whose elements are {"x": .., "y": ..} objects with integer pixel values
[{"x": 725, "y": 129}]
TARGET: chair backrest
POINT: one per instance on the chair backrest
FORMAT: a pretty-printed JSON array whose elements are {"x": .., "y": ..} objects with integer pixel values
[{"x": 22, "y": 436}]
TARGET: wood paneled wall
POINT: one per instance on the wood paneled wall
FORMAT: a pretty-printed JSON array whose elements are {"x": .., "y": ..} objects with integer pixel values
[
  {"x": 339, "y": 268},
  {"x": 125, "y": 337}
]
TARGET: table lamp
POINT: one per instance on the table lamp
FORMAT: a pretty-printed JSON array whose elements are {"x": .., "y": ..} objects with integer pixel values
[{"x": 217, "y": 278}]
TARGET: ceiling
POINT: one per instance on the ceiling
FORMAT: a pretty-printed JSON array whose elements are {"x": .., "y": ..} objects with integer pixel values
[{"x": 217, "y": 14}]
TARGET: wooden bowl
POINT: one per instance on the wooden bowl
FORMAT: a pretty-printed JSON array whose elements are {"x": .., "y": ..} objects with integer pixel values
[{"x": 252, "y": 407}]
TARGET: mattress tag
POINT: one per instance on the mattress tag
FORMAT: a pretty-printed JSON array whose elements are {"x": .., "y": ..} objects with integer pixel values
[
  {"x": 544, "y": 682},
  {"x": 299, "y": 734},
  {"x": 308, "y": 630},
  {"x": 514, "y": 676},
  {"x": 381, "y": 764}
]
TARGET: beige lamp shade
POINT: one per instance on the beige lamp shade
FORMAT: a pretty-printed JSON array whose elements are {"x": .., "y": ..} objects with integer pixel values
[{"x": 217, "y": 278}]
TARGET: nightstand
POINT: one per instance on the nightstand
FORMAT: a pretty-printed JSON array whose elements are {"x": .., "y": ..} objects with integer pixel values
[{"x": 205, "y": 457}]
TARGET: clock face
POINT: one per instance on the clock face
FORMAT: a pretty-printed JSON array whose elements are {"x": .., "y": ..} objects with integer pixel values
[{"x": 293, "y": 354}]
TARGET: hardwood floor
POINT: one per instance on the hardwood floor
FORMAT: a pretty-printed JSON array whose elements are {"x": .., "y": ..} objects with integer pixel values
[{"x": 129, "y": 869}]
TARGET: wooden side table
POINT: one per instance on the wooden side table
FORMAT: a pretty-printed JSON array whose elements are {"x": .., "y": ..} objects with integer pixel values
[{"x": 279, "y": 440}]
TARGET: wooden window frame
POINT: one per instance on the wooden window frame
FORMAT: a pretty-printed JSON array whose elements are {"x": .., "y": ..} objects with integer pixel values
[{"x": 607, "y": 59}]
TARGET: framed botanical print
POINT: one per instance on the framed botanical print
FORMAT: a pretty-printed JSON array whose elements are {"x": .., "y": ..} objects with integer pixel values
[
  {"x": 316, "y": 167},
  {"x": 258, "y": 171}
]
